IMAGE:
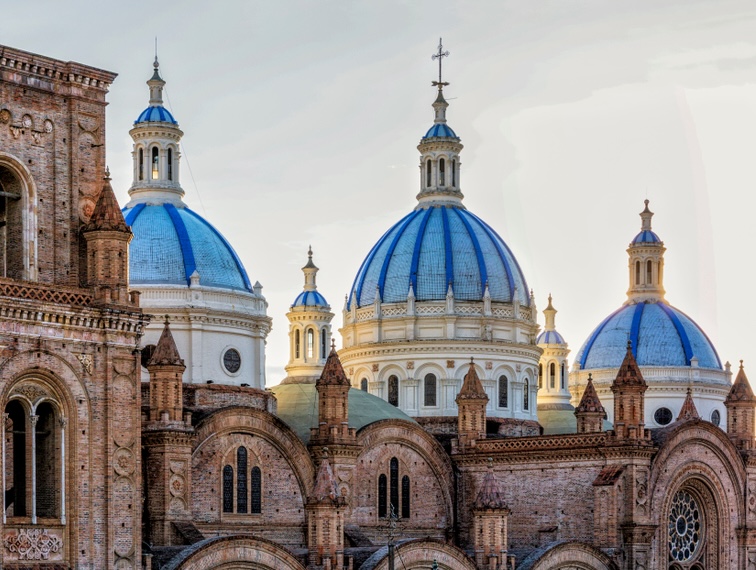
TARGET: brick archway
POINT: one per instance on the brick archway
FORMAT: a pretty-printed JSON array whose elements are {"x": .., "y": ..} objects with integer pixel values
[
  {"x": 419, "y": 555},
  {"x": 234, "y": 553},
  {"x": 568, "y": 556}
]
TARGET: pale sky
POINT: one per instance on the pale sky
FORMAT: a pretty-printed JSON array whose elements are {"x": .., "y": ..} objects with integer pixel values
[{"x": 302, "y": 118}]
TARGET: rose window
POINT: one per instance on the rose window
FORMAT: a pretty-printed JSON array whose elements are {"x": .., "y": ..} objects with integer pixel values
[{"x": 684, "y": 527}]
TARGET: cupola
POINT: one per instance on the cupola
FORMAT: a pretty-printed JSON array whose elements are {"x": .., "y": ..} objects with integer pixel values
[{"x": 646, "y": 263}]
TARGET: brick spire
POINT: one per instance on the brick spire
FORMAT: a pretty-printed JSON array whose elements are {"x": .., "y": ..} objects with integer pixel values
[
  {"x": 471, "y": 387},
  {"x": 166, "y": 353},
  {"x": 333, "y": 373},
  {"x": 741, "y": 389},
  {"x": 688, "y": 410},
  {"x": 741, "y": 411},
  {"x": 629, "y": 389},
  {"x": 325, "y": 490},
  {"x": 107, "y": 214},
  {"x": 490, "y": 495},
  {"x": 590, "y": 413}
]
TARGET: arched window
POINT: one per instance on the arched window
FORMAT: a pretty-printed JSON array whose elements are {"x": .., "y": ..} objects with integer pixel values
[
  {"x": 393, "y": 390},
  {"x": 256, "y": 489},
  {"x": 297, "y": 344},
  {"x": 364, "y": 385},
  {"x": 637, "y": 272},
  {"x": 140, "y": 174},
  {"x": 382, "y": 511},
  {"x": 526, "y": 396},
  {"x": 155, "y": 164},
  {"x": 552, "y": 375},
  {"x": 12, "y": 217},
  {"x": 405, "y": 497},
  {"x": 540, "y": 375},
  {"x": 394, "y": 485},
  {"x": 16, "y": 458},
  {"x": 561, "y": 376},
  {"x": 310, "y": 343},
  {"x": 430, "y": 389},
  {"x": 649, "y": 274},
  {"x": 241, "y": 480},
  {"x": 47, "y": 462},
  {"x": 323, "y": 344},
  {"x": 228, "y": 489},
  {"x": 441, "y": 172},
  {"x": 503, "y": 391},
  {"x": 428, "y": 173},
  {"x": 169, "y": 164},
  {"x": 454, "y": 172}
]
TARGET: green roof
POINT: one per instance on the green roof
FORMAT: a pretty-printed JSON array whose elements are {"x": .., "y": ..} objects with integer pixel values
[
  {"x": 556, "y": 422},
  {"x": 298, "y": 407}
]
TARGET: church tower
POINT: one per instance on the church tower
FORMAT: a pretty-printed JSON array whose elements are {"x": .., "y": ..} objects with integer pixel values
[
  {"x": 741, "y": 409},
  {"x": 309, "y": 329},
  {"x": 629, "y": 388},
  {"x": 471, "y": 402},
  {"x": 489, "y": 528}
]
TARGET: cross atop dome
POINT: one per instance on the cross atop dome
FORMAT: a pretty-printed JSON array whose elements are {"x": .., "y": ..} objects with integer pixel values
[{"x": 439, "y": 56}]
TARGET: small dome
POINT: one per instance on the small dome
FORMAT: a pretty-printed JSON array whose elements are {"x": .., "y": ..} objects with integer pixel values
[
  {"x": 550, "y": 337},
  {"x": 310, "y": 299},
  {"x": 440, "y": 130},
  {"x": 661, "y": 335},
  {"x": 156, "y": 114},
  {"x": 298, "y": 407},
  {"x": 646, "y": 236},
  {"x": 171, "y": 242},
  {"x": 433, "y": 248}
]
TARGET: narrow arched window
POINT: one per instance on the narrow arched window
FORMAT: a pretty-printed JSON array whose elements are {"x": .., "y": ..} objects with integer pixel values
[
  {"x": 297, "y": 344},
  {"x": 526, "y": 396},
  {"x": 169, "y": 164},
  {"x": 140, "y": 174},
  {"x": 394, "y": 484},
  {"x": 405, "y": 497},
  {"x": 241, "y": 480},
  {"x": 441, "y": 172},
  {"x": 540, "y": 375},
  {"x": 16, "y": 458},
  {"x": 364, "y": 385},
  {"x": 323, "y": 344},
  {"x": 649, "y": 274},
  {"x": 382, "y": 510},
  {"x": 552, "y": 375},
  {"x": 430, "y": 389},
  {"x": 310, "y": 343},
  {"x": 503, "y": 391},
  {"x": 428, "y": 173},
  {"x": 228, "y": 489},
  {"x": 561, "y": 377},
  {"x": 155, "y": 164},
  {"x": 454, "y": 172},
  {"x": 256, "y": 490},
  {"x": 637, "y": 272},
  {"x": 393, "y": 390},
  {"x": 47, "y": 462}
]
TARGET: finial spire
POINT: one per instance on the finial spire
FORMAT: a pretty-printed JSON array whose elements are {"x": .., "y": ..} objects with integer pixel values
[
  {"x": 646, "y": 216},
  {"x": 439, "y": 55}
]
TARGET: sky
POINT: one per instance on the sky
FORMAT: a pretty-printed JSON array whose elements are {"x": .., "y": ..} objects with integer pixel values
[{"x": 302, "y": 119}]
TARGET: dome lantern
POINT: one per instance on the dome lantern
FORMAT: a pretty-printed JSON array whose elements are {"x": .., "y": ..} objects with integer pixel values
[
  {"x": 439, "y": 152},
  {"x": 646, "y": 263}
]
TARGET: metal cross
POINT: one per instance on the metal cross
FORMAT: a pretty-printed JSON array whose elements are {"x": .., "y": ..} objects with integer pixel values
[{"x": 441, "y": 54}]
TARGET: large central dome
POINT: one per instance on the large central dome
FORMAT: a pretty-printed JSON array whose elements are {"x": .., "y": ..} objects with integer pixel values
[{"x": 434, "y": 248}]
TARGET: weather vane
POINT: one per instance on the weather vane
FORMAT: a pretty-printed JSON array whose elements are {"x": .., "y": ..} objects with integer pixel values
[{"x": 439, "y": 56}]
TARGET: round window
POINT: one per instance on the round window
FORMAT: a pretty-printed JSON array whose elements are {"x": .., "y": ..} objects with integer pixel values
[
  {"x": 232, "y": 360},
  {"x": 715, "y": 417},
  {"x": 684, "y": 527},
  {"x": 663, "y": 416}
]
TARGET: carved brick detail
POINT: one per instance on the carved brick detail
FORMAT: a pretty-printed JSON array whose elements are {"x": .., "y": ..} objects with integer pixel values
[{"x": 32, "y": 543}]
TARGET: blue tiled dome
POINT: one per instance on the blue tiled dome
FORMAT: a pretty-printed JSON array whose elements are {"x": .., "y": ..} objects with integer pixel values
[
  {"x": 156, "y": 114},
  {"x": 646, "y": 236},
  {"x": 310, "y": 299},
  {"x": 171, "y": 242},
  {"x": 550, "y": 337},
  {"x": 660, "y": 334},
  {"x": 440, "y": 130},
  {"x": 431, "y": 248}
]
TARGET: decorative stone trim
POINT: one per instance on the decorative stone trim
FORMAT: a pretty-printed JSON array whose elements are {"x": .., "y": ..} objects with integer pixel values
[{"x": 32, "y": 543}]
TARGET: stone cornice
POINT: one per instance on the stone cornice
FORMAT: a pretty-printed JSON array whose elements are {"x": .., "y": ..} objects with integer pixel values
[{"x": 432, "y": 347}]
